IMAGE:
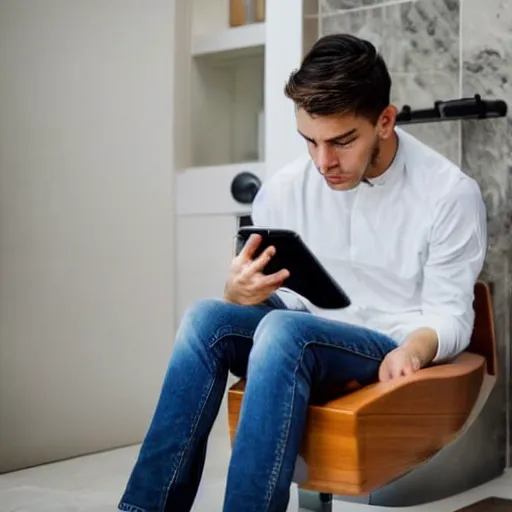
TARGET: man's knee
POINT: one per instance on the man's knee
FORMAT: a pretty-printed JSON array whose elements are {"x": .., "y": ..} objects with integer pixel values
[
  {"x": 280, "y": 323},
  {"x": 204, "y": 309},
  {"x": 278, "y": 338},
  {"x": 200, "y": 321}
]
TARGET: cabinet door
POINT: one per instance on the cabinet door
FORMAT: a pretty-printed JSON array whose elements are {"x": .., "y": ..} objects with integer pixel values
[
  {"x": 204, "y": 249},
  {"x": 207, "y": 216}
]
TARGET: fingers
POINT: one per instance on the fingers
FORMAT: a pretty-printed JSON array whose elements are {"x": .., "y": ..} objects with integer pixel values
[
  {"x": 247, "y": 276},
  {"x": 261, "y": 261},
  {"x": 255, "y": 293},
  {"x": 384, "y": 373},
  {"x": 388, "y": 373},
  {"x": 276, "y": 279},
  {"x": 259, "y": 287},
  {"x": 257, "y": 266},
  {"x": 250, "y": 247},
  {"x": 407, "y": 370},
  {"x": 394, "y": 366},
  {"x": 258, "y": 282}
]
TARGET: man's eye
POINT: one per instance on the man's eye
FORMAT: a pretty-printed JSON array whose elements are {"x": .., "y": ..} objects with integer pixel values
[{"x": 344, "y": 144}]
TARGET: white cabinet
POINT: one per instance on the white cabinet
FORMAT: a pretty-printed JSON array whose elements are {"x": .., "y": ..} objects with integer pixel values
[
  {"x": 232, "y": 117},
  {"x": 204, "y": 245},
  {"x": 206, "y": 218}
]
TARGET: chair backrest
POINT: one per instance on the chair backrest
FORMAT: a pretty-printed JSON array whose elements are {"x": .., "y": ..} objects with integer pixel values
[{"x": 483, "y": 339}]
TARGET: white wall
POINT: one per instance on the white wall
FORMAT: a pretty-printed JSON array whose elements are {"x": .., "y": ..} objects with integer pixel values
[
  {"x": 283, "y": 55},
  {"x": 86, "y": 223}
]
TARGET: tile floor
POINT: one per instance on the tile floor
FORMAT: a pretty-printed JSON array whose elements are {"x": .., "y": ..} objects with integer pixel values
[{"x": 95, "y": 482}]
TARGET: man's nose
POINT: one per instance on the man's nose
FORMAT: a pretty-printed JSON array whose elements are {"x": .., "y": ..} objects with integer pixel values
[{"x": 326, "y": 158}]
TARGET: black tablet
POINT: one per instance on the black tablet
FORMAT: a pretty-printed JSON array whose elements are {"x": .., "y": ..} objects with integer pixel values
[{"x": 307, "y": 275}]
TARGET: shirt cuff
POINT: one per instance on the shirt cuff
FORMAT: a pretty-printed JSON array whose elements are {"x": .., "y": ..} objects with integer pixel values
[{"x": 450, "y": 343}]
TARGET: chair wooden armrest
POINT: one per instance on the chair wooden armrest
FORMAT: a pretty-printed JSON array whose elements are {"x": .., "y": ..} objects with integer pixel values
[
  {"x": 417, "y": 390},
  {"x": 362, "y": 440}
]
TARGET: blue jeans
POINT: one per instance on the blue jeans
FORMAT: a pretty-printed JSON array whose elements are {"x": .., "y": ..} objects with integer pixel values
[{"x": 285, "y": 356}]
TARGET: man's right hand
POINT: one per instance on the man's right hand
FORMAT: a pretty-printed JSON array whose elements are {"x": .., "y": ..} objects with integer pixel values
[{"x": 247, "y": 285}]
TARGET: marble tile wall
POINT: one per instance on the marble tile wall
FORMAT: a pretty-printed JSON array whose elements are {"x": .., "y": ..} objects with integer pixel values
[
  {"x": 420, "y": 43},
  {"x": 446, "y": 49},
  {"x": 487, "y": 153}
]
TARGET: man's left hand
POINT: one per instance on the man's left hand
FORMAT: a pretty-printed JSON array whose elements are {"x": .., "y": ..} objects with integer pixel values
[
  {"x": 417, "y": 351},
  {"x": 398, "y": 363}
]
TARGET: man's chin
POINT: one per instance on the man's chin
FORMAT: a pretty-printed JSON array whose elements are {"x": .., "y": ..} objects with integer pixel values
[{"x": 342, "y": 185}]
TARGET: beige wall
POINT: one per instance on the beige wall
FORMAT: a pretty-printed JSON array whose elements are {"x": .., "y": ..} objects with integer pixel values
[{"x": 86, "y": 223}]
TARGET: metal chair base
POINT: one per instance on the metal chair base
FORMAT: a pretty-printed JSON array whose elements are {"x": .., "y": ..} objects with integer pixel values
[{"x": 314, "y": 501}]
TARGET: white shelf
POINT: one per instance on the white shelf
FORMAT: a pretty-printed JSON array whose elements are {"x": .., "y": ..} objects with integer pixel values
[
  {"x": 245, "y": 37},
  {"x": 207, "y": 190}
]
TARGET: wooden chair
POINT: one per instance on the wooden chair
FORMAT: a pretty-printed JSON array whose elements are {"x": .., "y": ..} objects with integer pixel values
[{"x": 366, "y": 438}]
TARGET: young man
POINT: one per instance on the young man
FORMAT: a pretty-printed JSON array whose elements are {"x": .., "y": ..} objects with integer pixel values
[{"x": 401, "y": 228}]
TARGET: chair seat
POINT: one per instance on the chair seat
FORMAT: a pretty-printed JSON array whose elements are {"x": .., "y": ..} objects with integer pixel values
[{"x": 362, "y": 440}]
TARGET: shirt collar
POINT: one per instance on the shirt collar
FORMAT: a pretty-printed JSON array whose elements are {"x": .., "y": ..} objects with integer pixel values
[{"x": 394, "y": 171}]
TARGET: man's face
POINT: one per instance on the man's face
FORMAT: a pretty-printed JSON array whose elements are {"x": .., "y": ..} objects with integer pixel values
[{"x": 344, "y": 147}]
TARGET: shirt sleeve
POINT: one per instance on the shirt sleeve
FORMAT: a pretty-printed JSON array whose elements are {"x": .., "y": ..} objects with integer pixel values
[
  {"x": 266, "y": 207},
  {"x": 456, "y": 255}
]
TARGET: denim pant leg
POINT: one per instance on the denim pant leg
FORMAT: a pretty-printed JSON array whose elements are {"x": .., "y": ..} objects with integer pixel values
[
  {"x": 294, "y": 353},
  {"x": 214, "y": 337}
]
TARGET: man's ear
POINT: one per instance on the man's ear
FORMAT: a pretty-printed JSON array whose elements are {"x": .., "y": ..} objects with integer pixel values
[{"x": 387, "y": 121}]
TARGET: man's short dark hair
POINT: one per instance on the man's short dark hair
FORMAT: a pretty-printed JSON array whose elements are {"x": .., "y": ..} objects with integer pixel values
[{"x": 341, "y": 74}]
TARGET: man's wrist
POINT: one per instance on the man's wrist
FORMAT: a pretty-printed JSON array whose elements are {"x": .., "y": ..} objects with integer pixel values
[{"x": 422, "y": 344}]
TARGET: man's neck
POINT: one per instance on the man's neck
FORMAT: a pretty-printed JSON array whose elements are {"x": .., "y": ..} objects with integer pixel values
[{"x": 387, "y": 154}]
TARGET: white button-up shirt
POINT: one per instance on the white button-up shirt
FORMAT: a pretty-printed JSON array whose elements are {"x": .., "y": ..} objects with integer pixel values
[{"x": 406, "y": 247}]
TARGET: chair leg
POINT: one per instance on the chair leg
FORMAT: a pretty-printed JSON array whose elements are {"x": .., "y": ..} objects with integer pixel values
[{"x": 314, "y": 501}]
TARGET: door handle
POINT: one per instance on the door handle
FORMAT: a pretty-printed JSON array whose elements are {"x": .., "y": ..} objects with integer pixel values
[{"x": 245, "y": 186}]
